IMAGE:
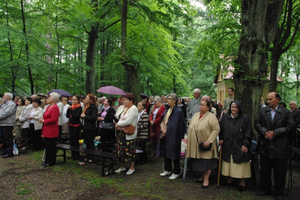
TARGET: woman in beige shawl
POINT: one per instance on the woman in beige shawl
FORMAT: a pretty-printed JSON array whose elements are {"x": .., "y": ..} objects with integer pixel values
[{"x": 204, "y": 128}]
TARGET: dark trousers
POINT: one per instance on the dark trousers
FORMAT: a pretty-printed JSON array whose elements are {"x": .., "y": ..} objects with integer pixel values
[
  {"x": 59, "y": 133},
  {"x": 89, "y": 136},
  {"x": 74, "y": 137},
  {"x": 50, "y": 144},
  {"x": 168, "y": 165},
  {"x": 7, "y": 139},
  {"x": 36, "y": 138},
  {"x": 107, "y": 135},
  {"x": 279, "y": 170},
  {"x": 142, "y": 144}
]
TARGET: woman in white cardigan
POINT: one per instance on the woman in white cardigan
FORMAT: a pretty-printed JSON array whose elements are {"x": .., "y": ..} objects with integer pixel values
[
  {"x": 36, "y": 126},
  {"x": 25, "y": 121},
  {"x": 126, "y": 143}
]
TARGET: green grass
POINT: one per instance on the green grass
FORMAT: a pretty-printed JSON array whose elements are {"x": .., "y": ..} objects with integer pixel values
[
  {"x": 36, "y": 155},
  {"x": 23, "y": 189}
]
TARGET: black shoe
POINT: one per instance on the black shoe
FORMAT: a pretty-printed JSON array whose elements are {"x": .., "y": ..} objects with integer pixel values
[
  {"x": 241, "y": 188},
  {"x": 47, "y": 165},
  {"x": 43, "y": 163},
  {"x": 230, "y": 184},
  {"x": 199, "y": 181},
  {"x": 279, "y": 197},
  {"x": 263, "y": 192},
  {"x": 205, "y": 186},
  {"x": 6, "y": 156}
]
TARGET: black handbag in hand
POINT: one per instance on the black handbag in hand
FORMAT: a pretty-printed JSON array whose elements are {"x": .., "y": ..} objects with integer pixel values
[{"x": 202, "y": 148}]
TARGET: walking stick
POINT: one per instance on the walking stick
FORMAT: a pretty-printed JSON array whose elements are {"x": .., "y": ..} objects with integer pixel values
[{"x": 219, "y": 170}]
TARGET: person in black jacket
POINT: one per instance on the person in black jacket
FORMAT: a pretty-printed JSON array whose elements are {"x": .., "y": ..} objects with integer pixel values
[
  {"x": 235, "y": 138},
  {"x": 73, "y": 113},
  {"x": 274, "y": 124},
  {"x": 89, "y": 117},
  {"x": 107, "y": 125}
]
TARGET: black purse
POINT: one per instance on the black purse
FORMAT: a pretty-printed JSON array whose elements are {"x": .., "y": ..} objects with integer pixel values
[
  {"x": 202, "y": 148},
  {"x": 108, "y": 125}
]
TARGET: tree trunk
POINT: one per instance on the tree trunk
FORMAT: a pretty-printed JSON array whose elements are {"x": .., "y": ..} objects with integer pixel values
[
  {"x": 284, "y": 35},
  {"x": 90, "y": 61},
  {"x": 58, "y": 53},
  {"x": 133, "y": 84},
  {"x": 13, "y": 72},
  {"x": 273, "y": 72},
  {"x": 27, "y": 49},
  {"x": 251, "y": 64}
]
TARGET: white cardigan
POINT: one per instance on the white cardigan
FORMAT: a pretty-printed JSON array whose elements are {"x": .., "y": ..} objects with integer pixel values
[
  {"x": 129, "y": 118},
  {"x": 38, "y": 114},
  {"x": 24, "y": 116}
]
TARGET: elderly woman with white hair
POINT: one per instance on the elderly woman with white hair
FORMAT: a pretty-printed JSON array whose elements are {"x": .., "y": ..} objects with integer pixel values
[
  {"x": 172, "y": 132},
  {"x": 50, "y": 128},
  {"x": 155, "y": 120}
]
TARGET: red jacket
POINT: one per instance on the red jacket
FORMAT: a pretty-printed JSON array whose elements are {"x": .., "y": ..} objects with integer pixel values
[
  {"x": 158, "y": 119},
  {"x": 50, "y": 126}
]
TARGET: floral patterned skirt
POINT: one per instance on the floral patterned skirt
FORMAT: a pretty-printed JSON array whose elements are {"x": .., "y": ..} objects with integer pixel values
[{"x": 126, "y": 148}]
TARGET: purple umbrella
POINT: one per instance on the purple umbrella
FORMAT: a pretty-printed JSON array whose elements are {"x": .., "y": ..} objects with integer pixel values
[
  {"x": 63, "y": 93},
  {"x": 111, "y": 90}
]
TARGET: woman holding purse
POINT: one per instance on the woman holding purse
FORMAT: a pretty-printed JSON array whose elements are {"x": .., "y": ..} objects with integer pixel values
[
  {"x": 106, "y": 125},
  {"x": 202, "y": 144},
  {"x": 126, "y": 143}
]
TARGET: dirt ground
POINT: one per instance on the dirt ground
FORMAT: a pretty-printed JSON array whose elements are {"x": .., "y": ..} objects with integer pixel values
[{"x": 23, "y": 177}]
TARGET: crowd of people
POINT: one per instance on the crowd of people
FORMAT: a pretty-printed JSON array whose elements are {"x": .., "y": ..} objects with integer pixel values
[{"x": 163, "y": 122}]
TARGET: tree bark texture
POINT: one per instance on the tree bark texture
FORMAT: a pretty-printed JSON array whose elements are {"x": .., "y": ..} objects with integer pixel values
[
  {"x": 133, "y": 84},
  {"x": 285, "y": 35},
  {"x": 13, "y": 72},
  {"x": 27, "y": 49},
  {"x": 251, "y": 65},
  {"x": 90, "y": 61}
]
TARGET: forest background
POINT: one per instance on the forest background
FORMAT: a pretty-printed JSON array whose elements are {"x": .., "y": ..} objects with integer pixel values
[{"x": 142, "y": 46}]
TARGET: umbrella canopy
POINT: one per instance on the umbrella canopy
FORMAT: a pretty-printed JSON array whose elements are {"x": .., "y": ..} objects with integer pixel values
[
  {"x": 143, "y": 96},
  {"x": 111, "y": 90},
  {"x": 63, "y": 93}
]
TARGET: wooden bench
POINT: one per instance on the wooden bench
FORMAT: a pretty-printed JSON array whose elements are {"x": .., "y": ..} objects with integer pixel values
[{"x": 108, "y": 159}]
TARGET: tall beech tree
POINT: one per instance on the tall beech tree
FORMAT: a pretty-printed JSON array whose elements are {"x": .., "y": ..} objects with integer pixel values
[
  {"x": 251, "y": 65},
  {"x": 287, "y": 30}
]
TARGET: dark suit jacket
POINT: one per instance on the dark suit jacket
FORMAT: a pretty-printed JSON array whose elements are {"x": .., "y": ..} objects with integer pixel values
[
  {"x": 283, "y": 125},
  {"x": 296, "y": 116}
]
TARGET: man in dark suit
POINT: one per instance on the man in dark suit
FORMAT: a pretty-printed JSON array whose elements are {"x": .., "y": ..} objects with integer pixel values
[
  {"x": 295, "y": 112},
  {"x": 274, "y": 124},
  {"x": 296, "y": 115}
]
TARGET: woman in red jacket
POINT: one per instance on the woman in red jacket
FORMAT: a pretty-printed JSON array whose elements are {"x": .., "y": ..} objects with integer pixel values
[
  {"x": 50, "y": 128},
  {"x": 155, "y": 120}
]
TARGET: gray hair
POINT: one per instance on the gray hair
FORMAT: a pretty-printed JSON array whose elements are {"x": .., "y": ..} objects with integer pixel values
[
  {"x": 197, "y": 90},
  {"x": 55, "y": 96},
  {"x": 157, "y": 98},
  {"x": 9, "y": 95},
  {"x": 294, "y": 102},
  {"x": 206, "y": 96},
  {"x": 174, "y": 97}
]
